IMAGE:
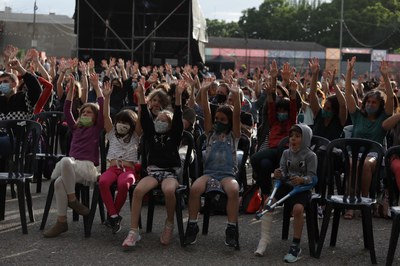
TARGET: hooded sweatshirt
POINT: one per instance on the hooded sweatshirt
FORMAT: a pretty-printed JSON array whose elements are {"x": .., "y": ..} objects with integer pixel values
[{"x": 301, "y": 163}]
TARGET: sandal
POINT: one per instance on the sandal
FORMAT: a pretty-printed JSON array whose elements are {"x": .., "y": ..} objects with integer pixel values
[{"x": 349, "y": 215}]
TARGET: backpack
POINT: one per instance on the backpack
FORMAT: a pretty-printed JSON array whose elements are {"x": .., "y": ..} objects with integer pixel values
[{"x": 251, "y": 200}]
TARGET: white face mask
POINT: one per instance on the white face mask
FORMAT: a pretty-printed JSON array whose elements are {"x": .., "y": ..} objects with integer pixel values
[
  {"x": 122, "y": 129},
  {"x": 160, "y": 126}
]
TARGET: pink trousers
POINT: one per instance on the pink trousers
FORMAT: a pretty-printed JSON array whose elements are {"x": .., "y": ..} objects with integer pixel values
[{"x": 124, "y": 180}]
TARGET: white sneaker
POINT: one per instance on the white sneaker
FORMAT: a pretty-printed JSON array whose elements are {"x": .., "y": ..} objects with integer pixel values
[{"x": 131, "y": 239}]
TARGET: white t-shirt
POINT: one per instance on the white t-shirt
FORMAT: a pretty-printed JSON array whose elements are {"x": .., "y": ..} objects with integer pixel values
[{"x": 121, "y": 150}]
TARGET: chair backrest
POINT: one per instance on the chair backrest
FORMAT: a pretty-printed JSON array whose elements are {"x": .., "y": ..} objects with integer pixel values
[
  {"x": 390, "y": 179},
  {"x": 52, "y": 126},
  {"x": 24, "y": 138},
  {"x": 353, "y": 151}
]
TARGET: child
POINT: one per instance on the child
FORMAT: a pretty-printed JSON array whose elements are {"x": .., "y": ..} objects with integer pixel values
[
  {"x": 80, "y": 167},
  {"x": 298, "y": 165},
  {"x": 162, "y": 137},
  {"x": 122, "y": 155},
  {"x": 220, "y": 166}
]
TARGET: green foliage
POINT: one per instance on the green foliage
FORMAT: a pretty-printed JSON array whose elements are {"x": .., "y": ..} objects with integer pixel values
[{"x": 367, "y": 23}]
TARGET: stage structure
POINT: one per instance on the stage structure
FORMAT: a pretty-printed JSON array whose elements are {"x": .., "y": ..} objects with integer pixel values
[{"x": 148, "y": 31}]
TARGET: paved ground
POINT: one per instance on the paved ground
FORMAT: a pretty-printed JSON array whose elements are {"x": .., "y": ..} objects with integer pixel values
[{"x": 103, "y": 248}]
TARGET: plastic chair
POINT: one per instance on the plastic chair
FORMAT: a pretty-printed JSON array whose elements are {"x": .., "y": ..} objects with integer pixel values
[
  {"x": 83, "y": 194},
  {"x": 394, "y": 234},
  {"x": 209, "y": 204},
  {"x": 180, "y": 192},
  {"x": 318, "y": 145},
  {"x": 52, "y": 126},
  {"x": 24, "y": 138},
  {"x": 354, "y": 152}
]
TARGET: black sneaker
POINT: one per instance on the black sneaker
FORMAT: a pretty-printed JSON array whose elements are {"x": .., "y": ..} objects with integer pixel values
[
  {"x": 293, "y": 254},
  {"x": 230, "y": 236},
  {"x": 115, "y": 224},
  {"x": 191, "y": 234}
]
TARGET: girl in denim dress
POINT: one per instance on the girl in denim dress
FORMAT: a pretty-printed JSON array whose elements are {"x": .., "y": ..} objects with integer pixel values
[{"x": 220, "y": 165}]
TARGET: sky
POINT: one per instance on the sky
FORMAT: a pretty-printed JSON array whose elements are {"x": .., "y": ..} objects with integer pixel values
[{"x": 212, "y": 9}]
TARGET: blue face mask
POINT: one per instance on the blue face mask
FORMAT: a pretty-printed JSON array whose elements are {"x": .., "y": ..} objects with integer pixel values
[
  {"x": 282, "y": 116},
  {"x": 370, "y": 110},
  {"x": 5, "y": 88},
  {"x": 221, "y": 127},
  {"x": 134, "y": 85}
]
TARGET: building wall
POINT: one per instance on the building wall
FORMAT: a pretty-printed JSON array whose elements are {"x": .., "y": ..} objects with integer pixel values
[{"x": 54, "y": 39}]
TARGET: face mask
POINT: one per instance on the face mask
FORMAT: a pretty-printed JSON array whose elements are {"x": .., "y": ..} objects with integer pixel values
[
  {"x": 220, "y": 98},
  {"x": 134, "y": 85},
  {"x": 5, "y": 88},
  {"x": 161, "y": 127},
  {"x": 86, "y": 121},
  {"x": 122, "y": 129},
  {"x": 326, "y": 114},
  {"x": 221, "y": 127},
  {"x": 370, "y": 110},
  {"x": 282, "y": 116}
]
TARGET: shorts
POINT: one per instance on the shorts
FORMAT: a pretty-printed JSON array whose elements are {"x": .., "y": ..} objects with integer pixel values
[
  {"x": 162, "y": 173},
  {"x": 302, "y": 198}
]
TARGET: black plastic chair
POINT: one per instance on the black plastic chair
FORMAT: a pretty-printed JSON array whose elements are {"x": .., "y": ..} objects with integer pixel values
[
  {"x": 83, "y": 194},
  {"x": 394, "y": 234},
  {"x": 395, "y": 211},
  {"x": 390, "y": 179},
  {"x": 24, "y": 138},
  {"x": 209, "y": 197},
  {"x": 52, "y": 126},
  {"x": 180, "y": 192},
  {"x": 318, "y": 145},
  {"x": 354, "y": 152}
]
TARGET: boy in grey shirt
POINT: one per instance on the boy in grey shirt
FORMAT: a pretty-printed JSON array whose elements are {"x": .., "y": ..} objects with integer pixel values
[{"x": 298, "y": 166}]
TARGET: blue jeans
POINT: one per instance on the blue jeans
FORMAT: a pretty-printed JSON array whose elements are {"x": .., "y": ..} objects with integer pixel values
[{"x": 219, "y": 161}]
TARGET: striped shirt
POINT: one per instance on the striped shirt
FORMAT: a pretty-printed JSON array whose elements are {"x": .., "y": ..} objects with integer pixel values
[{"x": 120, "y": 150}]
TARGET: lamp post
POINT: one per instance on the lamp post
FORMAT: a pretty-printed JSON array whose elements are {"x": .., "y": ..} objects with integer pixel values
[
  {"x": 341, "y": 39},
  {"x": 34, "y": 41}
]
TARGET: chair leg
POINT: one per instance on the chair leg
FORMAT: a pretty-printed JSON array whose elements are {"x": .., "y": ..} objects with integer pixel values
[
  {"x": 39, "y": 176},
  {"x": 206, "y": 217},
  {"x": 310, "y": 214},
  {"x": 48, "y": 204},
  {"x": 324, "y": 229},
  {"x": 101, "y": 210},
  {"x": 3, "y": 189},
  {"x": 13, "y": 193},
  {"x": 78, "y": 189},
  {"x": 367, "y": 215},
  {"x": 21, "y": 204},
  {"x": 335, "y": 226},
  {"x": 88, "y": 220},
  {"x": 286, "y": 221},
  {"x": 150, "y": 212},
  {"x": 29, "y": 200},
  {"x": 394, "y": 237},
  {"x": 179, "y": 218}
]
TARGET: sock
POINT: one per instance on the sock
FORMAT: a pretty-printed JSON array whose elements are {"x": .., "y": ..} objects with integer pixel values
[
  {"x": 134, "y": 230},
  {"x": 296, "y": 241},
  {"x": 114, "y": 216},
  {"x": 193, "y": 221},
  {"x": 231, "y": 224}
]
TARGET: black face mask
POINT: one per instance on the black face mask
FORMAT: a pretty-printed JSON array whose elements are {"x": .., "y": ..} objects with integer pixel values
[{"x": 220, "y": 98}]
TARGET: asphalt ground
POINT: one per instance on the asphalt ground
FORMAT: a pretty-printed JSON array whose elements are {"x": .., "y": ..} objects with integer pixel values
[{"x": 104, "y": 248}]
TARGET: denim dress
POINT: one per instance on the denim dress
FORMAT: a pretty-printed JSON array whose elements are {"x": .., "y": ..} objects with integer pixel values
[{"x": 220, "y": 159}]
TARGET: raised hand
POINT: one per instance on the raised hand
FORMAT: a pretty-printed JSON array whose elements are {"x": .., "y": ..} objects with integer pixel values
[
  {"x": 52, "y": 60},
  {"x": 83, "y": 67},
  {"x": 384, "y": 68},
  {"x": 286, "y": 71},
  {"x": 104, "y": 63},
  {"x": 113, "y": 62},
  {"x": 188, "y": 78},
  {"x": 314, "y": 65},
  {"x": 273, "y": 69},
  {"x": 182, "y": 86},
  {"x": 121, "y": 63},
  {"x": 107, "y": 89},
  {"x": 94, "y": 80},
  {"x": 351, "y": 63},
  {"x": 91, "y": 64}
]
